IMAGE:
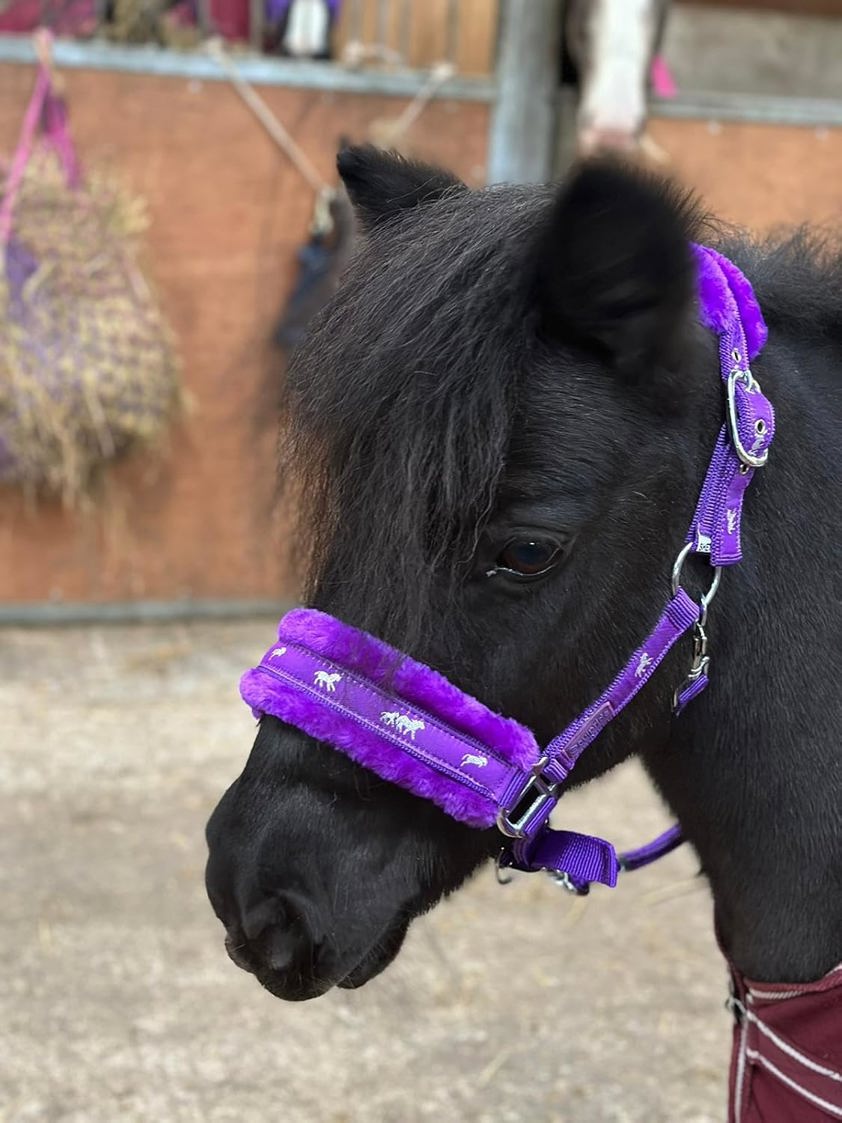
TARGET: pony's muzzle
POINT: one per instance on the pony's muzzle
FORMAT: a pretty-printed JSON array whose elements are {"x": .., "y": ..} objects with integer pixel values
[
  {"x": 279, "y": 944},
  {"x": 595, "y": 139}
]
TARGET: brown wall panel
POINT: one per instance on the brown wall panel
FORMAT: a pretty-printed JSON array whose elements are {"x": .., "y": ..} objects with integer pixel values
[
  {"x": 227, "y": 216},
  {"x": 758, "y": 176},
  {"x": 427, "y": 23}
]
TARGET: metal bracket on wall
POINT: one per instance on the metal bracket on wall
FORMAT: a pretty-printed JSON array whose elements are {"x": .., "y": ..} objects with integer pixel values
[{"x": 301, "y": 74}]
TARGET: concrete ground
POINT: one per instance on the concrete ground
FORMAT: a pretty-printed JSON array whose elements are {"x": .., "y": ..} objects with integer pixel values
[{"x": 118, "y": 1003}]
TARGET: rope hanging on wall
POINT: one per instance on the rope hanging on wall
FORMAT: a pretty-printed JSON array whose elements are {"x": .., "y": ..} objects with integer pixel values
[{"x": 322, "y": 259}]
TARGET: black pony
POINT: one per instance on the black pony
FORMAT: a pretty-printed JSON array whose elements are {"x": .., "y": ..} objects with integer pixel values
[{"x": 513, "y": 382}]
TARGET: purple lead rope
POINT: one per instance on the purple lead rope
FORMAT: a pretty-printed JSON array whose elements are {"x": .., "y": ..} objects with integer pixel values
[{"x": 409, "y": 725}]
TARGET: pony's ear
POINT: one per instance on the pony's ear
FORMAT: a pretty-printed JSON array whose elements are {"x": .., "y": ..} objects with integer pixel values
[
  {"x": 382, "y": 184},
  {"x": 614, "y": 266}
]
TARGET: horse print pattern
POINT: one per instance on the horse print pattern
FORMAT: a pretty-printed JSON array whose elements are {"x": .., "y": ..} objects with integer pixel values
[
  {"x": 403, "y": 723},
  {"x": 327, "y": 681}
]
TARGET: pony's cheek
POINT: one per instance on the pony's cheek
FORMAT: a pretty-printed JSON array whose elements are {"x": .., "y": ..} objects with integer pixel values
[{"x": 378, "y": 958}]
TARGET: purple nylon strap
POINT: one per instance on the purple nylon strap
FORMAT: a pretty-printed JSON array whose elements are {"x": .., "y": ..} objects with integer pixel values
[
  {"x": 563, "y": 751},
  {"x": 580, "y": 859},
  {"x": 560, "y": 756},
  {"x": 692, "y": 688},
  {"x": 743, "y": 441},
  {"x": 645, "y": 855},
  {"x": 577, "y": 861},
  {"x": 412, "y": 727}
]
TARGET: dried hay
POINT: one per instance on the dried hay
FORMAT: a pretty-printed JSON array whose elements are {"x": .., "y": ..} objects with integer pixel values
[
  {"x": 151, "y": 21},
  {"x": 88, "y": 367}
]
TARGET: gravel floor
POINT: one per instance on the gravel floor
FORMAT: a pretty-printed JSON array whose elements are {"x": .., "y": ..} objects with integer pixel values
[{"x": 117, "y": 1001}]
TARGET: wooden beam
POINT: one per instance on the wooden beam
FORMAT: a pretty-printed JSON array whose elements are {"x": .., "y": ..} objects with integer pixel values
[
  {"x": 523, "y": 124},
  {"x": 792, "y": 7}
]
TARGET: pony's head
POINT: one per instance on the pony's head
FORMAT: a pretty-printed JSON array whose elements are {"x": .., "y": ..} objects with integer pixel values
[{"x": 498, "y": 427}]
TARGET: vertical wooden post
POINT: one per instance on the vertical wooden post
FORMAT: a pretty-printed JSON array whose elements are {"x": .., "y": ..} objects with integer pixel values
[
  {"x": 523, "y": 124},
  {"x": 256, "y": 24},
  {"x": 568, "y": 107},
  {"x": 452, "y": 34},
  {"x": 203, "y": 17}
]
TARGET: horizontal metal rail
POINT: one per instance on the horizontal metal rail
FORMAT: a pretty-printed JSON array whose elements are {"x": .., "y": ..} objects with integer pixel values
[
  {"x": 754, "y": 108},
  {"x": 757, "y": 109},
  {"x": 256, "y": 69}
]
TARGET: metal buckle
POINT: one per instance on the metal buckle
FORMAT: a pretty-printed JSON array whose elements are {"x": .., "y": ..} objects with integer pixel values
[
  {"x": 563, "y": 881},
  {"x": 700, "y": 664},
  {"x": 500, "y": 864},
  {"x": 701, "y": 659},
  {"x": 735, "y": 1007},
  {"x": 545, "y": 794},
  {"x": 748, "y": 458}
]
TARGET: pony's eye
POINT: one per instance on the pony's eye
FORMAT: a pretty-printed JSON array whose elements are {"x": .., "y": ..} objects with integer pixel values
[{"x": 529, "y": 557}]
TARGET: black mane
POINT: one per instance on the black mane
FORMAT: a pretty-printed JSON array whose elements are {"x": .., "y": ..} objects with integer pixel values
[{"x": 797, "y": 275}]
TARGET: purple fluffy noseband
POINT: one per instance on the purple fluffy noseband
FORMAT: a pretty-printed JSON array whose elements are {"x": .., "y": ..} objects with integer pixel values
[{"x": 345, "y": 687}]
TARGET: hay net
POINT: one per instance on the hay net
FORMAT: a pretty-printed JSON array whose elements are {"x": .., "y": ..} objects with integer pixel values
[{"x": 88, "y": 367}]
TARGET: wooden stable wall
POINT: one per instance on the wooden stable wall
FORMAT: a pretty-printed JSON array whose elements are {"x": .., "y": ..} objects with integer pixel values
[
  {"x": 427, "y": 25},
  {"x": 476, "y": 35},
  {"x": 227, "y": 217}
]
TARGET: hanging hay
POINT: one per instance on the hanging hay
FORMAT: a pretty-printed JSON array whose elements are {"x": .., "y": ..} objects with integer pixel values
[
  {"x": 152, "y": 21},
  {"x": 87, "y": 365}
]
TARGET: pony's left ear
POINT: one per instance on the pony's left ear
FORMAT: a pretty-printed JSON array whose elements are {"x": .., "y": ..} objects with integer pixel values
[
  {"x": 614, "y": 270},
  {"x": 383, "y": 184}
]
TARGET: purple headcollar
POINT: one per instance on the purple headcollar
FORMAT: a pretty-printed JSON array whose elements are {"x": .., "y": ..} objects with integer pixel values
[{"x": 410, "y": 725}]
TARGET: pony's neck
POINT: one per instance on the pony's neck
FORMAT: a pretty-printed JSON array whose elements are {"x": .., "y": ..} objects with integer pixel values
[
  {"x": 754, "y": 771},
  {"x": 769, "y": 842}
]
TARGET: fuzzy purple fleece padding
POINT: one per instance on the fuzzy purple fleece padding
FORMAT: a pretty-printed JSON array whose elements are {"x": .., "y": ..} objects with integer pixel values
[
  {"x": 463, "y": 796},
  {"x": 389, "y": 762},
  {"x": 415, "y": 683},
  {"x": 717, "y": 303}
]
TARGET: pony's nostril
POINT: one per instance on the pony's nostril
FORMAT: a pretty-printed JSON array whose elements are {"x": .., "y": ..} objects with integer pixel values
[
  {"x": 593, "y": 140},
  {"x": 238, "y": 951},
  {"x": 280, "y": 939},
  {"x": 284, "y": 954},
  {"x": 289, "y": 948}
]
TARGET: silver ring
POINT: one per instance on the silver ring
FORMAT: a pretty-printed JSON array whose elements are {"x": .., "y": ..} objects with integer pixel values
[{"x": 676, "y": 579}]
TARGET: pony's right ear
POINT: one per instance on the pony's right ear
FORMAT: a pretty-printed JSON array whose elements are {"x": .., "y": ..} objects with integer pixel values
[
  {"x": 613, "y": 265},
  {"x": 383, "y": 184}
]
